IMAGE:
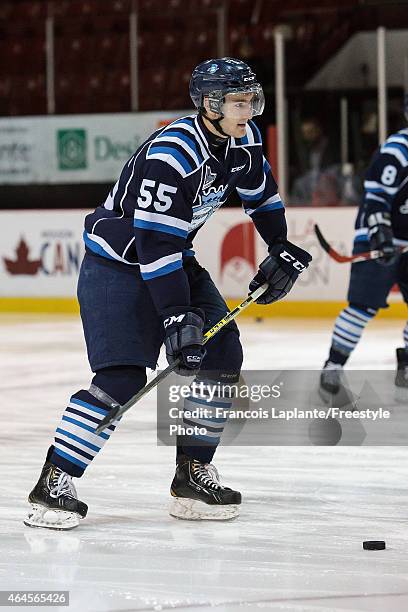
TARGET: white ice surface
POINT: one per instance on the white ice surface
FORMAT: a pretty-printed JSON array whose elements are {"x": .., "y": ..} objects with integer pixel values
[{"x": 298, "y": 543}]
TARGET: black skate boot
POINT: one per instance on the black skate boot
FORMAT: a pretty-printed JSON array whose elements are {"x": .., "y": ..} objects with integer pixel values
[
  {"x": 54, "y": 501},
  {"x": 331, "y": 388},
  {"x": 198, "y": 494},
  {"x": 401, "y": 376}
]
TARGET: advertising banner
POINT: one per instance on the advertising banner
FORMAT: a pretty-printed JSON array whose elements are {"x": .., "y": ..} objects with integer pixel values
[
  {"x": 73, "y": 148},
  {"x": 41, "y": 252},
  {"x": 231, "y": 249}
]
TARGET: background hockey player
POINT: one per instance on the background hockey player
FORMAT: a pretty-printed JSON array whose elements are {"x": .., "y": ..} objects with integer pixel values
[
  {"x": 382, "y": 219},
  {"x": 140, "y": 285}
]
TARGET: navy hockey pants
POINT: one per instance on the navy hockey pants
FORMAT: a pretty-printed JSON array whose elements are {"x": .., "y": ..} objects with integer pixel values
[
  {"x": 371, "y": 282},
  {"x": 121, "y": 325}
]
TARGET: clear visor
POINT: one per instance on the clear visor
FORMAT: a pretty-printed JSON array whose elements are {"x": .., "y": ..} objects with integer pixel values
[{"x": 240, "y": 104}]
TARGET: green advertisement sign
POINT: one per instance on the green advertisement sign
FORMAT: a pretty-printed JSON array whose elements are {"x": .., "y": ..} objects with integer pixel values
[{"x": 72, "y": 149}]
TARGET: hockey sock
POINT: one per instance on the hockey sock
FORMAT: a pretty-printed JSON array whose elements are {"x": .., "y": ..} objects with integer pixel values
[
  {"x": 204, "y": 413},
  {"x": 75, "y": 442},
  {"x": 405, "y": 334},
  {"x": 120, "y": 382},
  {"x": 347, "y": 332}
]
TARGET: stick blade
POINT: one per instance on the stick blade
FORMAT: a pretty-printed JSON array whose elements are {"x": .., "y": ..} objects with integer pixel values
[
  {"x": 322, "y": 241},
  {"x": 329, "y": 249}
]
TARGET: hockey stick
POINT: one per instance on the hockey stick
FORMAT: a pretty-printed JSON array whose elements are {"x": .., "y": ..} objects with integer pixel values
[
  {"x": 353, "y": 258},
  {"x": 117, "y": 410}
]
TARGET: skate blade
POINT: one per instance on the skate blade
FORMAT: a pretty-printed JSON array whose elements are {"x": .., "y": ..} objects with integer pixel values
[
  {"x": 194, "y": 510},
  {"x": 40, "y": 516}
]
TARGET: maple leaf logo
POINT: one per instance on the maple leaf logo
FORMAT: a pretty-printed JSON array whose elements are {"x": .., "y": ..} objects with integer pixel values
[{"x": 22, "y": 263}]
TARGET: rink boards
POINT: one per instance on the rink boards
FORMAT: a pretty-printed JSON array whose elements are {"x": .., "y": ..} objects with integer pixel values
[{"x": 41, "y": 253}]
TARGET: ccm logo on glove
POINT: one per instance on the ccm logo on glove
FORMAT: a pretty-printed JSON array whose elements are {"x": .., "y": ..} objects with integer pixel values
[
  {"x": 289, "y": 258},
  {"x": 183, "y": 327},
  {"x": 173, "y": 319},
  {"x": 280, "y": 270}
]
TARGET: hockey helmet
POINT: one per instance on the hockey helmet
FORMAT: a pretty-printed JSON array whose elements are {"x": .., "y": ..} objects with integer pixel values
[{"x": 215, "y": 78}]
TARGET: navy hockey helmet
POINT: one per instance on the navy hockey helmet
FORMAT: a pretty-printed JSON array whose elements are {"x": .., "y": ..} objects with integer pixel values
[{"x": 215, "y": 78}]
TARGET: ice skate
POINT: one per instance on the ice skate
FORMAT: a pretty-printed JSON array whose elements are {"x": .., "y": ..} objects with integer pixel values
[
  {"x": 401, "y": 376},
  {"x": 197, "y": 493},
  {"x": 54, "y": 501},
  {"x": 331, "y": 388}
]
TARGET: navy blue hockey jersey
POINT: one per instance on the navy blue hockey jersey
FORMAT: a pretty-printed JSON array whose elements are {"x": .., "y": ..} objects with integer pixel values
[
  {"x": 386, "y": 187},
  {"x": 168, "y": 190}
]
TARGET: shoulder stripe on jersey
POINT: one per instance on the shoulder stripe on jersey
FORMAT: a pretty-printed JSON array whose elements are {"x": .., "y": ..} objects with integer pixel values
[
  {"x": 266, "y": 165},
  {"x": 172, "y": 152},
  {"x": 188, "y": 120},
  {"x": 168, "y": 159},
  {"x": 191, "y": 130},
  {"x": 173, "y": 158},
  {"x": 177, "y": 148},
  {"x": 185, "y": 137},
  {"x": 397, "y": 151},
  {"x": 399, "y": 139},
  {"x": 161, "y": 266},
  {"x": 184, "y": 141}
]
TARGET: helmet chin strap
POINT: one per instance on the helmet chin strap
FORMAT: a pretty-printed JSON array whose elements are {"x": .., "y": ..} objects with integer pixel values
[{"x": 215, "y": 122}]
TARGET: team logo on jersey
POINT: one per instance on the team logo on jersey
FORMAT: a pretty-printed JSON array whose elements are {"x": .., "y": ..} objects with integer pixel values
[
  {"x": 209, "y": 178},
  {"x": 210, "y": 200},
  {"x": 404, "y": 208},
  {"x": 212, "y": 195}
]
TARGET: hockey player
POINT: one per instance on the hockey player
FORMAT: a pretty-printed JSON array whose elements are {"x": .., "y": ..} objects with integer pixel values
[
  {"x": 382, "y": 220},
  {"x": 140, "y": 285}
]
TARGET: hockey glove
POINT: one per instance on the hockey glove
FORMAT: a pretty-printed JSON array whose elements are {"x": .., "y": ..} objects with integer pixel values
[
  {"x": 184, "y": 338},
  {"x": 380, "y": 236},
  {"x": 280, "y": 270}
]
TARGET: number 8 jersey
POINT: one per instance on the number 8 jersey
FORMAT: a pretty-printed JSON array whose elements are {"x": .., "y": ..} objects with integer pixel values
[
  {"x": 168, "y": 190},
  {"x": 386, "y": 187}
]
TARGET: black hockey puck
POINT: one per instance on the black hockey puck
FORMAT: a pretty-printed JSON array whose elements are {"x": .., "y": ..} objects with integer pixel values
[{"x": 374, "y": 545}]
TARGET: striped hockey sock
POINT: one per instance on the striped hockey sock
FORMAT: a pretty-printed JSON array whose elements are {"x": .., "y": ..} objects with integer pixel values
[
  {"x": 75, "y": 442},
  {"x": 200, "y": 411},
  {"x": 347, "y": 332},
  {"x": 405, "y": 334}
]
